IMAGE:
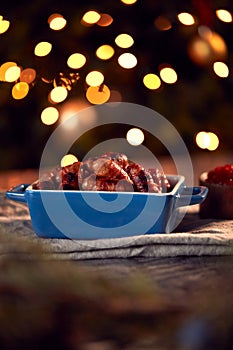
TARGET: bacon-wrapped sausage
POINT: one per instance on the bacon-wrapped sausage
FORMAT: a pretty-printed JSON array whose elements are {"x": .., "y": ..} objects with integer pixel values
[
  {"x": 142, "y": 179},
  {"x": 93, "y": 183},
  {"x": 110, "y": 172},
  {"x": 109, "y": 169},
  {"x": 160, "y": 179},
  {"x": 50, "y": 180},
  {"x": 70, "y": 176},
  {"x": 119, "y": 158}
]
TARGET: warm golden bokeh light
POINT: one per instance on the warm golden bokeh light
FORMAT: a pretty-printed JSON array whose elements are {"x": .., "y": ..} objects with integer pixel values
[
  {"x": 105, "y": 52},
  {"x": 98, "y": 95},
  {"x": 12, "y": 74},
  {"x": 94, "y": 78},
  {"x": 58, "y": 94},
  {"x": 135, "y": 137},
  {"x": 91, "y": 17},
  {"x": 221, "y": 69},
  {"x": 105, "y": 20},
  {"x": 20, "y": 90},
  {"x": 49, "y": 115},
  {"x": 69, "y": 115},
  {"x": 202, "y": 139},
  {"x": 224, "y": 15},
  {"x": 168, "y": 75},
  {"x": 56, "y": 21},
  {"x": 162, "y": 23},
  {"x": 127, "y": 60},
  {"x": 214, "y": 141},
  {"x": 68, "y": 159},
  {"x": 4, "y": 67},
  {"x": 124, "y": 41},
  {"x": 186, "y": 18},
  {"x": 4, "y": 25},
  {"x": 199, "y": 51},
  {"x": 76, "y": 60},
  {"x": 218, "y": 44},
  {"x": 215, "y": 40},
  {"x": 207, "y": 47},
  {"x": 28, "y": 75},
  {"x": 207, "y": 140},
  {"x": 152, "y": 81},
  {"x": 43, "y": 49},
  {"x": 129, "y": 2}
]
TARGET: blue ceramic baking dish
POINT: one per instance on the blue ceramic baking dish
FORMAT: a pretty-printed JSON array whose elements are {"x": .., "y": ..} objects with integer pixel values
[{"x": 90, "y": 215}]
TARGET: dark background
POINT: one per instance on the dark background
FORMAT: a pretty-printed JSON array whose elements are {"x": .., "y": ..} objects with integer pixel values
[{"x": 198, "y": 101}]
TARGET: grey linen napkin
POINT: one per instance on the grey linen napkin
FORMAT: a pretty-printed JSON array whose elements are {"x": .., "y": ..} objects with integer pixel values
[{"x": 193, "y": 237}]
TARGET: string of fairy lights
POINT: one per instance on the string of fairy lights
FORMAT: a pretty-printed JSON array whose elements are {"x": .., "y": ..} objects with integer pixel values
[{"x": 205, "y": 47}]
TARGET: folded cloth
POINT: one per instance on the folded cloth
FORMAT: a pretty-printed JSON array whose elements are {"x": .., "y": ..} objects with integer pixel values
[{"x": 193, "y": 237}]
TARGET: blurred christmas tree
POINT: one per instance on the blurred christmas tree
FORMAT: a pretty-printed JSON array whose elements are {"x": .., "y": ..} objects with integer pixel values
[{"x": 176, "y": 42}]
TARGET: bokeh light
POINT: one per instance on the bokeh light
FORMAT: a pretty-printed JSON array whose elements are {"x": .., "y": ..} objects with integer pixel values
[
  {"x": 76, "y": 61},
  {"x": 91, "y": 17},
  {"x": 135, "y": 137},
  {"x": 58, "y": 94},
  {"x": 215, "y": 40},
  {"x": 127, "y": 60},
  {"x": 49, "y": 115},
  {"x": 69, "y": 119},
  {"x": 12, "y": 74},
  {"x": 68, "y": 159},
  {"x": 204, "y": 45},
  {"x": 162, "y": 23},
  {"x": 105, "y": 20},
  {"x": 56, "y": 21},
  {"x": 199, "y": 51},
  {"x": 129, "y": 2},
  {"x": 98, "y": 94},
  {"x": 207, "y": 47},
  {"x": 186, "y": 18},
  {"x": 4, "y": 67},
  {"x": 152, "y": 81},
  {"x": 28, "y": 75},
  {"x": 124, "y": 40},
  {"x": 168, "y": 75},
  {"x": 214, "y": 141},
  {"x": 221, "y": 69},
  {"x": 20, "y": 90},
  {"x": 94, "y": 78},
  {"x": 224, "y": 15},
  {"x": 105, "y": 52},
  {"x": 43, "y": 49},
  {"x": 207, "y": 140},
  {"x": 202, "y": 139},
  {"x": 4, "y": 25}
]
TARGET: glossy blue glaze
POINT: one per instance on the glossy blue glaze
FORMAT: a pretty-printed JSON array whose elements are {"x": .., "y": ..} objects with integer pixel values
[{"x": 94, "y": 215}]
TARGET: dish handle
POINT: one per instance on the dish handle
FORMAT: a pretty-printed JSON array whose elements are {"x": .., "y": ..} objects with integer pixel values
[
  {"x": 192, "y": 195},
  {"x": 17, "y": 193}
]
